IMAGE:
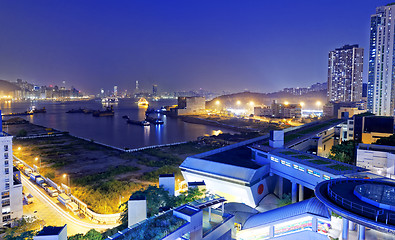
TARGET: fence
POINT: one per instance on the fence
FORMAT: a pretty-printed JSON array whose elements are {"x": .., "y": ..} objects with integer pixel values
[
  {"x": 130, "y": 150},
  {"x": 368, "y": 212}
]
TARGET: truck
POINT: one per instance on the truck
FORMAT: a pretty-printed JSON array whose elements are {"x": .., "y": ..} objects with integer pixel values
[
  {"x": 33, "y": 176},
  {"x": 40, "y": 180},
  {"x": 73, "y": 207},
  {"x": 52, "y": 191},
  {"x": 28, "y": 171},
  {"x": 63, "y": 199}
]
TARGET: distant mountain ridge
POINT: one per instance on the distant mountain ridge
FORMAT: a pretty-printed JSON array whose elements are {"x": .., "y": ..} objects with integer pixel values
[{"x": 310, "y": 99}]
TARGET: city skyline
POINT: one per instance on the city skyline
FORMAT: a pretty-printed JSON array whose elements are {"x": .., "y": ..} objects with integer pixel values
[{"x": 101, "y": 45}]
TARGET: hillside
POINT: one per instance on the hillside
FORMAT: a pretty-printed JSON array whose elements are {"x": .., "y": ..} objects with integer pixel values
[{"x": 267, "y": 98}]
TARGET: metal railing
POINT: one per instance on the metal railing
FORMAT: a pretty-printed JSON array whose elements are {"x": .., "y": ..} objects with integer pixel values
[{"x": 371, "y": 213}]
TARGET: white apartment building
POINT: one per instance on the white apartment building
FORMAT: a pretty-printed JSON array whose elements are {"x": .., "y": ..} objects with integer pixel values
[
  {"x": 10, "y": 184},
  {"x": 345, "y": 68},
  {"x": 381, "y": 84}
]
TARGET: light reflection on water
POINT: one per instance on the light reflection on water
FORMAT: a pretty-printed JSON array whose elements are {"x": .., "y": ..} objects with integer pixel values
[{"x": 112, "y": 130}]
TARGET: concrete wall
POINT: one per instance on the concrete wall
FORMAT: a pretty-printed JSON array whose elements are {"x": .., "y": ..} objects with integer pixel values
[
  {"x": 233, "y": 192},
  {"x": 168, "y": 183},
  {"x": 137, "y": 211}
]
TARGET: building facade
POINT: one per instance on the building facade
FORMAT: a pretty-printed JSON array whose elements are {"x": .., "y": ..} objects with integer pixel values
[
  {"x": 345, "y": 68},
  {"x": 381, "y": 62},
  {"x": 11, "y": 186},
  {"x": 378, "y": 159}
]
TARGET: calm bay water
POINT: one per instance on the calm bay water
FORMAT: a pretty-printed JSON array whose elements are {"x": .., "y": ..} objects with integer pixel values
[{"x": 112, "y": 130}]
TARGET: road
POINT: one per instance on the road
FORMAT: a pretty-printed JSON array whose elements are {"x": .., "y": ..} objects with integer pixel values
[{"x": 53, "y": 213}]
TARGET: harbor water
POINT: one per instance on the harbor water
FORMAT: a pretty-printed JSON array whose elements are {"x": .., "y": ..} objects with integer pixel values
[{"x": 112, "y": 130}]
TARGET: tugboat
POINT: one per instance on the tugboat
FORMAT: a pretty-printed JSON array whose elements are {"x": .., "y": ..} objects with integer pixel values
[
  {"x": 42, "y": 110},
  {"x": 88, "y": 111},
  {"x": 156, "y": 121},
  {"x": 109, "y": 112},
  {"x": 141, "y": 123}
]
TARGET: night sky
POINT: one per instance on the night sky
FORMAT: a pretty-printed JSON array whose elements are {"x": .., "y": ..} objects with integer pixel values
[{"x": 227, "y": 45}]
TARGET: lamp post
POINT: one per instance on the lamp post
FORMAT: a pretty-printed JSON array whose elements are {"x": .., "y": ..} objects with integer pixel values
[
  {"x": 68, "y": 179},
  {"x": 36, "y": 158}
]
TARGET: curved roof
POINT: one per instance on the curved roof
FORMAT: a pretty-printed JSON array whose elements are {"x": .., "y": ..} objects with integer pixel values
[
  {"x": 223, "y": 170},
  {"x": 338, "y": 195},
  {"x": 311, "y": 206}
]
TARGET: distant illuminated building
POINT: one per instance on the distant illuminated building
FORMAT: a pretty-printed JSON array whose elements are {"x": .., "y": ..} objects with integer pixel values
[
  {"x": 345, "y": 67},
  {"x": 155, "y": 90},
  {"x": 137, "y": 86},
  {"x": 115, "y": 91}
]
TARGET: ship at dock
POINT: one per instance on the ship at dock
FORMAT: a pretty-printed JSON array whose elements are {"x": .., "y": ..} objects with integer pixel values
[
  {"x": 143, "y": 102},
  {"x": 107, "y": 100}
]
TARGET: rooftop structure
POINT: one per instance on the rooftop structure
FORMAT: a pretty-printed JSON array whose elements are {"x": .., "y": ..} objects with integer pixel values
[
  {"x": 378, "y": 159},
  {"x": 52, "y": 233},
  {"x": 343, "y": 196}
]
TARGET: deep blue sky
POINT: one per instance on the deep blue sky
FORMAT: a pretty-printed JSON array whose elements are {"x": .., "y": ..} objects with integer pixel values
[{"x": 180, "y": 45}]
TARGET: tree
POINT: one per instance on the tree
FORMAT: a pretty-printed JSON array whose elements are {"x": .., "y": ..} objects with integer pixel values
[
  {"x": 344, "y": 152},
  {"x": 22, "y": 133},
  {"x": 389, "y": 141},
  {"x": 286, "y": 200},
  {"x": 93, "y": 235},
  {"x": 24, "y": 228},
  {"x": 90, "y": 235},
  {"x": 157, "y": 199},
  {"x": 78, "y": 236}
]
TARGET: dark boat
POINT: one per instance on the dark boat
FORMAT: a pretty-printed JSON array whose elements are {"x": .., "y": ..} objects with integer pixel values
[
  {"x": 80, "y": 110},
  {"x": 42, "y": 110},
  {"x": 155, "y": 121},
  {"x": 125, "y": 116},
  {"x": 141, "y": 123},
  {"x": 17, "y": 114},
  {"x": 109, "y": 112},
  {"x": 149, "y": 110},
  {"x": 88, "y": 111}
]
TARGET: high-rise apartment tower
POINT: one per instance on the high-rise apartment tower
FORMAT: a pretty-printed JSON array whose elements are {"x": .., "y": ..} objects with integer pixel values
[
  {"x": 345, "y": 68},
  {"x": 381, "y": 78}
]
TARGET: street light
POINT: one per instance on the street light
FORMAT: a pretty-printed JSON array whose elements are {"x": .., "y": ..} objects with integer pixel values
[
  {"x": 302, "y": 104},
  {"x": 36, "y": 158},
  {"x": 286, "y": 103},
  {"x": 238, "y": 102},
  {"x": 68, "y": 179},
  {"x": 251, "y": 103},
  {"x": 19, "y": 148},
  {"x": 318, "y": 103},
  {"x": 217, "y": 102}
]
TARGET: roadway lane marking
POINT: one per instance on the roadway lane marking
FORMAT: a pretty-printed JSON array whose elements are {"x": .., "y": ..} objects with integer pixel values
[{"x": 61, "y": 211}]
